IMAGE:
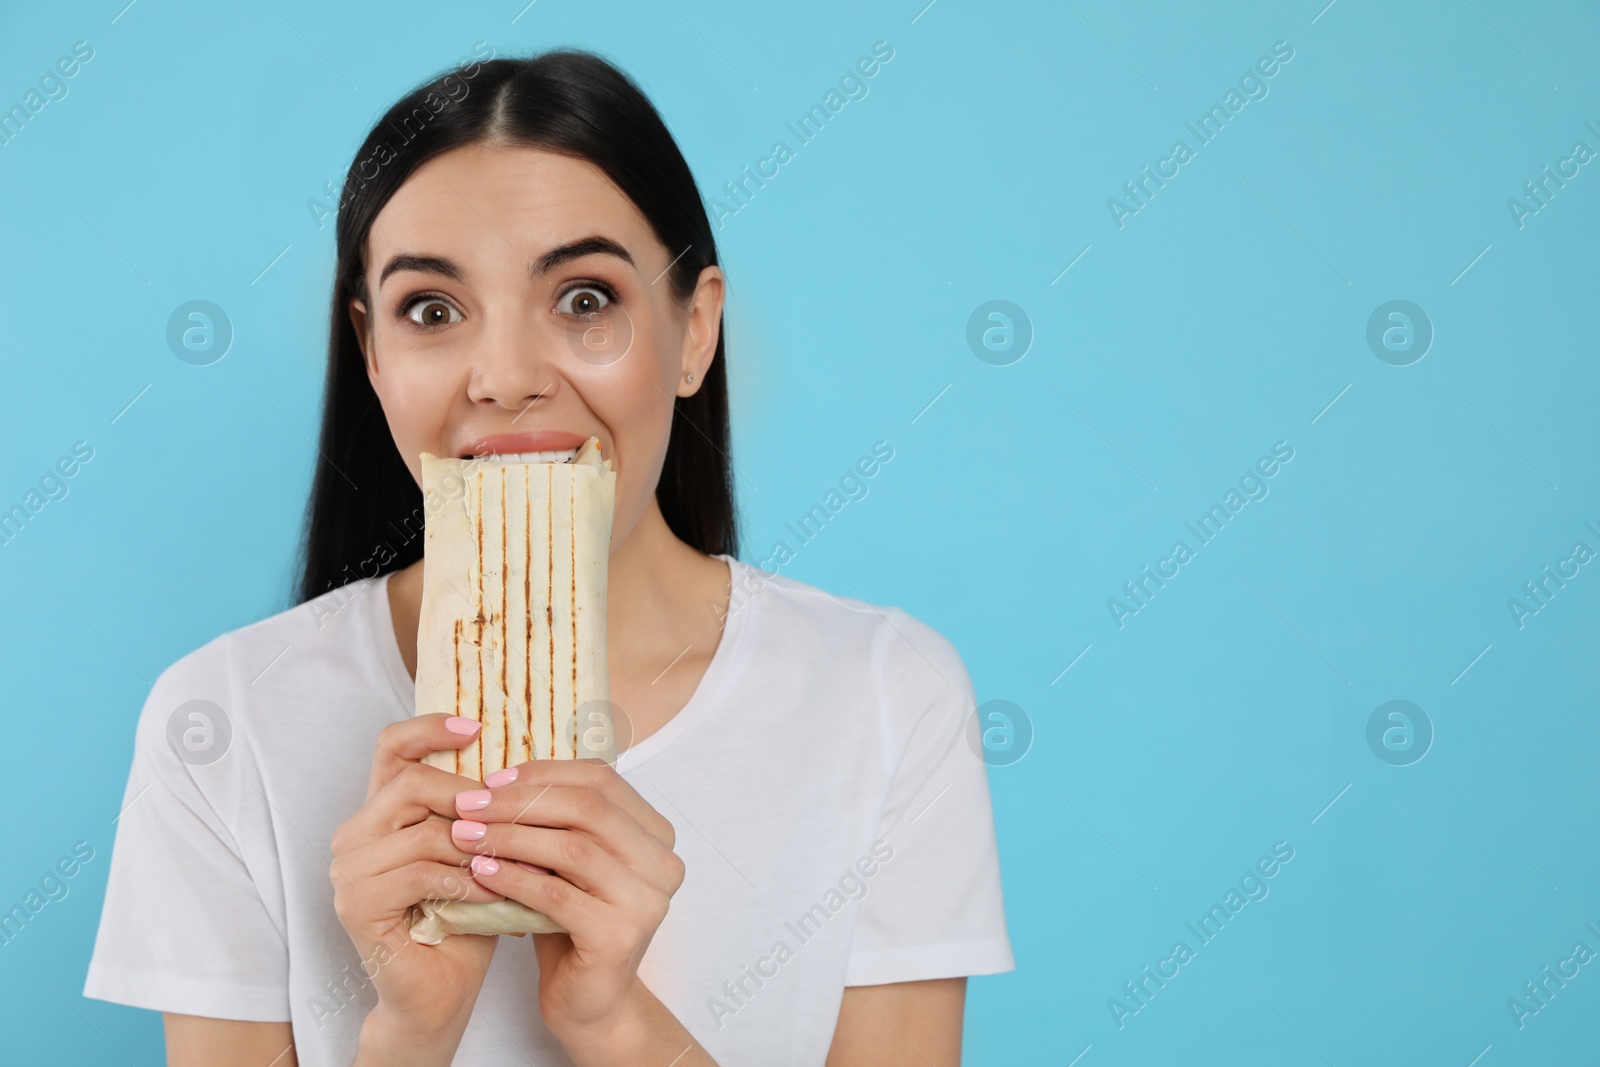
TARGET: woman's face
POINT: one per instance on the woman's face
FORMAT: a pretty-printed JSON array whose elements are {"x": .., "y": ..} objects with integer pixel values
[{"x": 520, "y": 304}]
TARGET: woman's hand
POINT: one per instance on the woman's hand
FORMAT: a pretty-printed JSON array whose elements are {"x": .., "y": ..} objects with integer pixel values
[
  {"x": 393, "y": 852},
  {"x": 614, "y": 875}
]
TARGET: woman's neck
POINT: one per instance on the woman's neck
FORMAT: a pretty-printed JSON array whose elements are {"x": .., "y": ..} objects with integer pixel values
[{"x": 662, "y": 596}]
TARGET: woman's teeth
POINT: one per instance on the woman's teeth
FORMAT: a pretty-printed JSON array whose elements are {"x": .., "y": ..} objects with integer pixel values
[{"x": 565, "y": 456}]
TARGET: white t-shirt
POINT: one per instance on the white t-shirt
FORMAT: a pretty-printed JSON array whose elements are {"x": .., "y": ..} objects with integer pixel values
[{"x": 833, "y": 818}]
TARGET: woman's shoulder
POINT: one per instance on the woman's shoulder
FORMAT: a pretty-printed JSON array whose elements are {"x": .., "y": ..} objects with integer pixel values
[
  {"x": 806, "y": 617},
  {"x": 334, "y": 627}
]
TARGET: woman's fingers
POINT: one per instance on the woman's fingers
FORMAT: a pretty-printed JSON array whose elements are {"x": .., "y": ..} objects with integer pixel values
[
  {"x": 364, "y": 878},
  {"x": 402, "y": 790},
  {"x": 407, "y": 741},
  {"x": 529, "y": 778},
  {"x": 573, "y": 855},
  {"x": 427, "y": 840},
  {"x": 601, "y": 825},
  {"x": 417, "y": 791},
  {"x": 379, "y": 899},
  {"x": 587, "y": 918},
  {"x": 569, "y": 838}
]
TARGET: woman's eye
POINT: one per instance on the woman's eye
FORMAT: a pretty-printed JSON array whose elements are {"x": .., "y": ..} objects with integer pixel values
[
  {"x": 434, "y": 312},
  {"x": 585, "y": 300}
]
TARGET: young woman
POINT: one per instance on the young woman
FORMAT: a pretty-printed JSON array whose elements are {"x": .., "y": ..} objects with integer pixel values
[{"x": 793, "y": 860}]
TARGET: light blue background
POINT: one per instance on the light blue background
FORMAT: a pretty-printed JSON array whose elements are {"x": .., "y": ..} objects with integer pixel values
[{"x": 1224, "y": 316}]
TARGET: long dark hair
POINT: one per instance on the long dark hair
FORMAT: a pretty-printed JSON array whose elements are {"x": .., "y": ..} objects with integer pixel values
[{"x": 365, "y": 514}]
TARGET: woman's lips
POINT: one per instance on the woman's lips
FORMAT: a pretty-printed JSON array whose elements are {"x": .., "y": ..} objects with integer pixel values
[{"x": 501, "y": 444}]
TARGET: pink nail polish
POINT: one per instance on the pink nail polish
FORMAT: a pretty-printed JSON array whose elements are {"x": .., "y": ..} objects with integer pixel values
[
  {"x": 505, "y": 777},
  {"x": 473, "y": 799},
  {"x": 467, "y": 830},
  {"x": 484, "y": 865},
  {"x": 458, "y": 724}
]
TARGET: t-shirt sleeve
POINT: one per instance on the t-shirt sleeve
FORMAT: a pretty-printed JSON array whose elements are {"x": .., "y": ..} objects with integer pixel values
[
  {"x": 184, "y": 928},
  {"x": 933, "y": 909}
]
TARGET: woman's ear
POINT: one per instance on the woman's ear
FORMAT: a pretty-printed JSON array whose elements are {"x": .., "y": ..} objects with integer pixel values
[
  {"x": 700, "y": 334},
  {"x": 360, "y": 323}
]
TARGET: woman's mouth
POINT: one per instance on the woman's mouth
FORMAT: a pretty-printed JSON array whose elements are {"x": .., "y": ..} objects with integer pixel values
[{"x": 528, "y": 446}]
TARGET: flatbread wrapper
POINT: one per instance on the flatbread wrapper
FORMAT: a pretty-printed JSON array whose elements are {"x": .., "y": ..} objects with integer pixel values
[{"x": 513, "y": 633}]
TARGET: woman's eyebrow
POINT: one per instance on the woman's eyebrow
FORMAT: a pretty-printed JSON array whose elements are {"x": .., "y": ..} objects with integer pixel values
[
  {"x": 422, "y": 265},
  {"x": 584, "y": 246},
  {"x": 595, "y": 244}
]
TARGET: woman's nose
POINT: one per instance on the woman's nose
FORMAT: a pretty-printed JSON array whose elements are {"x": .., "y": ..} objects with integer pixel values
[{"x": 509, "y": 370}]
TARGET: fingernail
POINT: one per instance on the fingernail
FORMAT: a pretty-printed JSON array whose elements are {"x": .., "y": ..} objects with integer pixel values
[
  {"x": 484, "y": 865},
  {"x": 531, "y": 867},
  {"x": 473, "y": 799},
  {"x": 458, "y": 724},
  {"x": 505, "y": 777},
  {"x": 467, "y": 830}
]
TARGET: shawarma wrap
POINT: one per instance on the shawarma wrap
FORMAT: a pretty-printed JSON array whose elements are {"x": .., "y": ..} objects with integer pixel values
[{"x": 513, "y": 631}]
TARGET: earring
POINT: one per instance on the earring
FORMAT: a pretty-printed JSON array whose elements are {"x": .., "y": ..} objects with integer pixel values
[{"x": 689, "y": 377}]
